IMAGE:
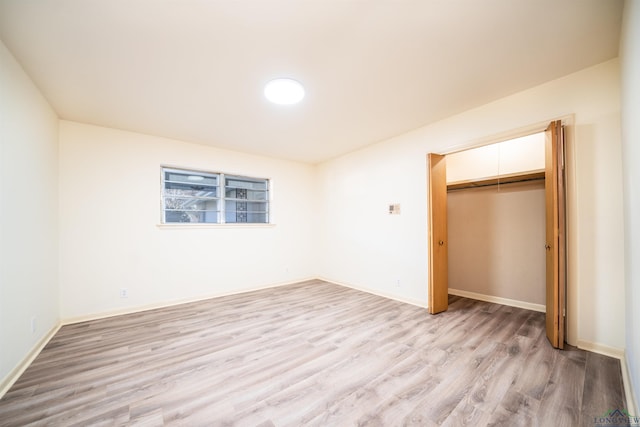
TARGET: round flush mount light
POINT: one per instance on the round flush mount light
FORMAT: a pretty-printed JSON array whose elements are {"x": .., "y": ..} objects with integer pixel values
[{"x": 284, "y": 91}]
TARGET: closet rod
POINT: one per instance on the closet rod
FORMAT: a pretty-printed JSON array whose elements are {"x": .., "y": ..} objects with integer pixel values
[{"x": 507, "y": 179}]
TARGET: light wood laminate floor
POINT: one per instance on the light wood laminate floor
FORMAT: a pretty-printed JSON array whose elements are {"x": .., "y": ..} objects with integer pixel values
[{"x": 313, "y": 354}]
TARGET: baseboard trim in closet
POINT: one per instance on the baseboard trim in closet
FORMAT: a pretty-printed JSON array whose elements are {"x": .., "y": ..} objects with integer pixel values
[{"x": 498, "y": 300}]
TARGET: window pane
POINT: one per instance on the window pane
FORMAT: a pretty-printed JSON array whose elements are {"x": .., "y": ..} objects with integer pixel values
[
  {"x": 184, "y": 209},
  {"x": 196, "y": 178},
  {"x": 237, "y": 211},
  {"x": 246, "y": 183},
  {"x": 190, "y": 196},
  {"x": 190, "y": 203},
  {"x": 246, "y": 200},
  {"x": 191, "y": 216},
  {"x": 246, "y": 217},
  {"x": 173, "y": 188},
  {"x": 243, "y": 194},
  {"x": 236, "y": 205}
]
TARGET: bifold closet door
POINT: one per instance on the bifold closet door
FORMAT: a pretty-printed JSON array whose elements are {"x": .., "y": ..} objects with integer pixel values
[
  {"x": 555, "y": 233},
  {"x": 438, "y": 245}
]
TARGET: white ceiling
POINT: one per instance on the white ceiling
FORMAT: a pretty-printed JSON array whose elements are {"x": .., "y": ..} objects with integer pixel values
[{"x": 195, "y": 69}]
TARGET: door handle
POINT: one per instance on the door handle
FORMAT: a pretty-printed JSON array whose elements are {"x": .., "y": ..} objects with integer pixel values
[
  {"x": 547, "y": 247},
  {"x": 441, "y": 242}
]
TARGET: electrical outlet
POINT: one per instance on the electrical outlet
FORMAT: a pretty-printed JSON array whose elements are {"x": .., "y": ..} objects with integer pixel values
[
  {"x": 398, "y": 283},
  {"x": 33, "y": 325},
  {"x": 124, "y": 293}
]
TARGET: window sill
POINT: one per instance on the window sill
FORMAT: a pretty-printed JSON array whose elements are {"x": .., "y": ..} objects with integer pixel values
[{"x": 203, "y": 225}]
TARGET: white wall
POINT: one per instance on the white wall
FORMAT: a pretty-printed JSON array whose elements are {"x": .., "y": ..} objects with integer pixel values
[
  {"x": 630, "y": 57},
  {"x": 365, "y": 247},
  {"x": 28, "y": 215},
  {"x": 495, "y": 236},
  {"x": 110, "y": 238},
  {"x": 514, "y": 156}
]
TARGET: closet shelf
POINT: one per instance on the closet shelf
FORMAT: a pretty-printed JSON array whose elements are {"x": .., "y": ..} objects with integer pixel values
[{"x": 497, "y": 180}]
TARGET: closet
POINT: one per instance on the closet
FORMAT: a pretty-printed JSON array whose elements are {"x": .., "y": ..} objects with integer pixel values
[
  {"x": 496, "y": 222},
  {"x": 512, "y": 164}
]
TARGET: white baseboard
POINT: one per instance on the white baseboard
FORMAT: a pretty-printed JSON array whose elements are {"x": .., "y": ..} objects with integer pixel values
[
  {"x": 411, "y": 301},
  {"x": 619, "y": 354},
  {"x": 632, "y": 408},
  {"x": 606, "y": 350},
  {"x": 15, "y": 373},
  {"x": 138, "y": 309},
  {"x": 499, "y": 300}
]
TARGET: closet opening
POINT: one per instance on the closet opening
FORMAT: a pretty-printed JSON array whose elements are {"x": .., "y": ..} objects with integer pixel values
[
  {"x": 497, "y": 226},
  {"x": 496, "y": 222}
]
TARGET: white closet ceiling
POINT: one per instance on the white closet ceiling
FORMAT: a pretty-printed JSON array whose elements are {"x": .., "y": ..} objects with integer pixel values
[{"x": 194, "y": 70}]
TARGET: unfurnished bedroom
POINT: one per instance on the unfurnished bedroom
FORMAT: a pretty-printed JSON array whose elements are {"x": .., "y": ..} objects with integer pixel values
[{"x": 319, "y": 213}]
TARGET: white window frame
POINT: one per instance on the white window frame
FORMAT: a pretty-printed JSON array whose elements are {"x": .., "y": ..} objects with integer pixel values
[{"x": 221, "y": 198}]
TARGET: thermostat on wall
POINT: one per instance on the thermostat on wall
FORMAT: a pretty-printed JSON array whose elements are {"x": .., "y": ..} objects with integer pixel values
[{"x": 394, "y": 209}]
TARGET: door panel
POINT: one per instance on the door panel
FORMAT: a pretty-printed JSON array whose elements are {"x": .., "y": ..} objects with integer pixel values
[
  {"x": 555, "y": 233},
  {"x": 438, "y": 246}
]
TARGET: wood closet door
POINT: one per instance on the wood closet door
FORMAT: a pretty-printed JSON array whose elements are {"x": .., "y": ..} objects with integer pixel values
[
  {"x": 438, "y": 246},
  {"x": 555, "y": 233}
]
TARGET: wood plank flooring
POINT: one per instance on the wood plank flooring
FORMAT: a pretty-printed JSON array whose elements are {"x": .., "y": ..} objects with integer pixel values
[{"x": 313, "y": 354}]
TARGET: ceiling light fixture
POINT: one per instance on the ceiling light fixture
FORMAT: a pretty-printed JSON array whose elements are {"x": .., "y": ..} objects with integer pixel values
[{"x": 284, "y": 91}]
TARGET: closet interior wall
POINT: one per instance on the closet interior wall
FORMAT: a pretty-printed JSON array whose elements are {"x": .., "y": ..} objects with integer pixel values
[
  {"x": 496, "y": 221},
  {"x": 496, "y": 241}
]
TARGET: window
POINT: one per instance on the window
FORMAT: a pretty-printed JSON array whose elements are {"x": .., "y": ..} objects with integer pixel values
[
  {"x": 215, "y": 198},
  {"x": 245, "y": 199}
]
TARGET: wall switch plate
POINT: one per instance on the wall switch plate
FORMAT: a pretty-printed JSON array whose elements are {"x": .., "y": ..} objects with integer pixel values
[{"x": 124, "y": 292}]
